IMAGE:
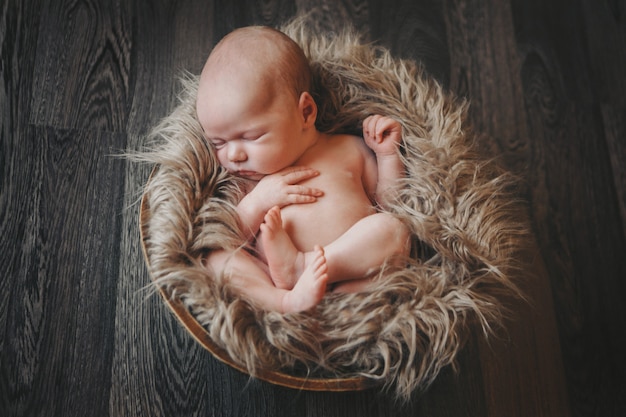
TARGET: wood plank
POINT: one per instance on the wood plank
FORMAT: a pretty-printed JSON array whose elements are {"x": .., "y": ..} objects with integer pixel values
[
  {"x": 485, "y": 68},
  {"x": 20, "y": 340},
  {"x": 238, "y": 13},
  {"x": 606, "y": 40},
  {"x": 57, "y": 345},
  {"x": 172, "y": 38},
  {"x": 90, "y": 44},
  {"x": 575, "y": 206},
  {"x": 414, "y": 30},
  {"x": 523, "y": 369},
  {"x": 574, "y": 214},
  {"x": 19, "y": 22},
  {"x": 333, "y": 16},
  {"x": 460, "y": 392}
]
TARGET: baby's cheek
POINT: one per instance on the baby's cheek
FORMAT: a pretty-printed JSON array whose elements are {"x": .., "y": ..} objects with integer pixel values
[
  {"x": 268, "y": 163},
  {"x": 221, "y": 157}
]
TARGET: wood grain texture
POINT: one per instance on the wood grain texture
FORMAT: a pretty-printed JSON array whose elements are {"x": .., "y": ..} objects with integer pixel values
[
  {"x": 485, "y": 69},
  {"x": 80, "y": 81},
  {"x": 575, "y": 207},
  {"x": 605, "y": 40},
  {"x": 230, "y": 15},
  {"x": 485, "y": 66},
  {"x": 62, "y": 288},
  {"x": 333, "y": 16},
  {"x": 17, "y": 49},
  {"x": 414, "y": 30},
  {"x": 171, "y": 38},
  {"x": 89, "y": 43}
]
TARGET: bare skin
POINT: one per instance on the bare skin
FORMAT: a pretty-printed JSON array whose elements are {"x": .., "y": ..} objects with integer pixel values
[
  {"x": 342, "y": 220},
  {"x": 250, "y": 275},
  {"x": 310, "y": 286},
  {"x": 284, "y": 260},
  {"x": 309, "y": 203}
]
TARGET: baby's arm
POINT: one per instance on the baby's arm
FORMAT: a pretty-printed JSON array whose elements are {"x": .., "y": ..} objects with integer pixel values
[
  {"x": 384, "y": 135},
  {"x": 280, "y": 189}
]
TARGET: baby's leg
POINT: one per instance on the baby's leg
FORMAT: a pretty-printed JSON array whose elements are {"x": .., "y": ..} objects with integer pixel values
[
  {"x": 363, "y": 248},
  {"x": 285, "y": 262},
  {"x": 250, "y": 276}
]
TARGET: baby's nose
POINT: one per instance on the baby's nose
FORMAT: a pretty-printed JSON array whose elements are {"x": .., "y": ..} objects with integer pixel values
[{"x": 236, "y": 153}]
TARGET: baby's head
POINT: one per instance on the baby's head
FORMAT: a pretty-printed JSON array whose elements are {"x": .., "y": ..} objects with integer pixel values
[
  {"x": 255, "y": 85},
  {"x": 264, "y": 56},
  {"x": 268, "y": 52}
]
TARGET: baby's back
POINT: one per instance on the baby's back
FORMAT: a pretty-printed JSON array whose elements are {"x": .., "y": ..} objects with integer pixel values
[{"x": 343, "y": 162}]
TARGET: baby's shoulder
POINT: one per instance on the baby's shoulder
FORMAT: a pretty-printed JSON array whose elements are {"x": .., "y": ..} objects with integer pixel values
[
  {"x": 343, "y": 139},
  {"x": 350, "y": 147}
]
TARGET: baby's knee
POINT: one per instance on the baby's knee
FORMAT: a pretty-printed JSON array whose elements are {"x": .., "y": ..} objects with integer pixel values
[{"x": 395, "y": 232}]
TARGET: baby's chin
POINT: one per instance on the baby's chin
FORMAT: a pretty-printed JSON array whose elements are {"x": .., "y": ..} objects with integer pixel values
[{"x": 248, "y": 175}]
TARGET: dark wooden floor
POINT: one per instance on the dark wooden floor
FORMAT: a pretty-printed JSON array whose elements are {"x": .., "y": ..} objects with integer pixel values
[{"x": 82, "y": 81}]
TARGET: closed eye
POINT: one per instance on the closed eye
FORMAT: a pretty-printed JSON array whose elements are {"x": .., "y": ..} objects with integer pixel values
[
  {"x": 252, "y": 136},
  {"x": 217, "y": 143}
]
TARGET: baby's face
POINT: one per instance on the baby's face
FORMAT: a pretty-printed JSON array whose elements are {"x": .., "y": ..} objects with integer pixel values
[{"x": 255, "y": 130}]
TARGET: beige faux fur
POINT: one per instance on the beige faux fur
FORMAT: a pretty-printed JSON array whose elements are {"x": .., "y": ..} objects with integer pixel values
[{"x": 459, "y": 206}]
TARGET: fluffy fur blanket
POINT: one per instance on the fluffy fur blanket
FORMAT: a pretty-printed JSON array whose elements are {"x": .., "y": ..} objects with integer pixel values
[{"x": 459, "y": 206}]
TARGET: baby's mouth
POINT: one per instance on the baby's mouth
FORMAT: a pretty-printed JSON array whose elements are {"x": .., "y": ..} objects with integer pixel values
[{"x": 247, "y": 174}]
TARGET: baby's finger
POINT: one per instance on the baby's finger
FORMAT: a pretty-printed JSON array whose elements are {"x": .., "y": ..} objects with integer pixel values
[
  {"x": 369, "y": 126},
  {"x": 294, "y": 175},
  {"x": 300, "y": 199},
  {"x": 306, "y": 191},
  {"x": 378, "y": 127}
]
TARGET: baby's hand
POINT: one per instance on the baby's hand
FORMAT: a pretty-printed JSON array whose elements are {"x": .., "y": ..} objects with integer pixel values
[
  {"x": 382, "y": 134},
  {"x": 283, "y": 188}
]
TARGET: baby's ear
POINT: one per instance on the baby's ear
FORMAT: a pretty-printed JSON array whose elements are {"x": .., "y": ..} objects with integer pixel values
[{"x": 308, "y": 109}]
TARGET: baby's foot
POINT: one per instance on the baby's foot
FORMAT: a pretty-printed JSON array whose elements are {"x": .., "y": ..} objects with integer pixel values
[
  {"x": 285, "y": 262},
  {"x": 311, "y": 286}
]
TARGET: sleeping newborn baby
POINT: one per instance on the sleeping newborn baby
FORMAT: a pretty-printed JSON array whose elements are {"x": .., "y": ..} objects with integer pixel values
[{"x": 310, "y": 202}]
